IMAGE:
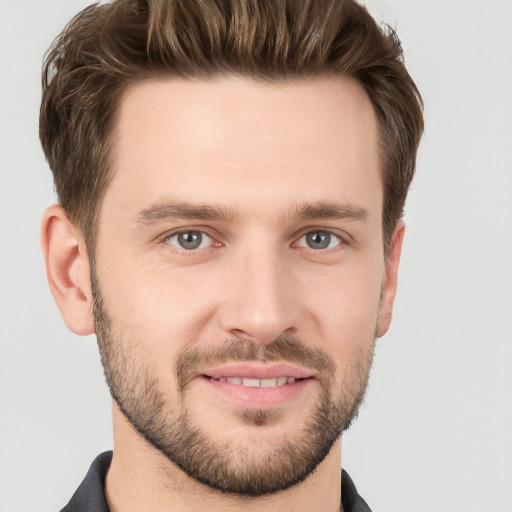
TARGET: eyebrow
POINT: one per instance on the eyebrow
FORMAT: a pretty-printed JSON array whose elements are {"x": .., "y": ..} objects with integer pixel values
[
  {"x": 331, "y": 210},
  {"x": 181, "y": 210},
  {"x": 169, "y": 210}
]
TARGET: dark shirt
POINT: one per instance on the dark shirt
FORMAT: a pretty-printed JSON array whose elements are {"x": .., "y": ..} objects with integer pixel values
[{"x": 90, "y": 496}]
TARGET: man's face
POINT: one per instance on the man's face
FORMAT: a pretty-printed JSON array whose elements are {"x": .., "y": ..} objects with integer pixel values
[{"x": 238, "y": 273}]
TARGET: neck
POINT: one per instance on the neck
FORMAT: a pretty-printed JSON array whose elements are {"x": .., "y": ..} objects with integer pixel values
[{"x": 142, "y": 478}]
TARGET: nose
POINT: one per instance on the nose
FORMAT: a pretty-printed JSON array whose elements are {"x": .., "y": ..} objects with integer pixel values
[{"x": 261, "y": 300}]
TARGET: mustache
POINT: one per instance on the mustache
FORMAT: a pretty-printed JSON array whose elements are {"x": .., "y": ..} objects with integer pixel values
[{"x": 285, "y": 348}]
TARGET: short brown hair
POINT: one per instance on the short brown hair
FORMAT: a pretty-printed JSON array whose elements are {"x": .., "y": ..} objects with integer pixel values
[{"x": 108, "y": 47}]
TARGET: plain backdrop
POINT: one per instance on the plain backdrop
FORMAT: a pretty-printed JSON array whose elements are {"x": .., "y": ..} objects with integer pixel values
[{"x": 435, "y": 434}]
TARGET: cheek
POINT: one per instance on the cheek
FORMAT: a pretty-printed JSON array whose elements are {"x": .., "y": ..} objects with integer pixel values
[
  {"x": 162, "y": 309},
  {"x": 348, "y": 322},
  {"x": 348, "y": 301}
]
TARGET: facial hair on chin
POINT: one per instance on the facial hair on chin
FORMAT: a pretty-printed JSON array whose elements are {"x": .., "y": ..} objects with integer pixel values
[{"x": 225, "y": 466}]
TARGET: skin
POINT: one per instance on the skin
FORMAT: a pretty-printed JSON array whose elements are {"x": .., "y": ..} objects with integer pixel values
[{"x": 262, "y": 152}]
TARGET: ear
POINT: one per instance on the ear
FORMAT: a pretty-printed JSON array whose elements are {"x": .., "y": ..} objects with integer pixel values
[
  {"x": 390, "y": 280},
  {"x": 67, "y": 270}
]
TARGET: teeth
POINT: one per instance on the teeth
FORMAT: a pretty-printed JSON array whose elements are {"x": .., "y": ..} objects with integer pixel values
[
  {"x": 251, "y": 383},
  {"x": 258, "y": 383}
]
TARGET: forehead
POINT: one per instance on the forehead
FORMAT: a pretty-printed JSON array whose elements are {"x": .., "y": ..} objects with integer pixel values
[{"x": 238, "y": 141}]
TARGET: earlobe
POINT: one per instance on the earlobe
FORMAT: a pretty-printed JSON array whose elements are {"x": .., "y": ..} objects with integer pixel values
[
  {"x": 390, "y": 281},
  {"x": 67, "y": 270}
]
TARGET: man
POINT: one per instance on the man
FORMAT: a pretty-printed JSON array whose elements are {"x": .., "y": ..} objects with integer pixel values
[{"x": 231, "y": 180}]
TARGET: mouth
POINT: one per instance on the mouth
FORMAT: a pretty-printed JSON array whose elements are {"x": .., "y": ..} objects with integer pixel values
[
  {"x": 258, "y": 383},
  {"x": 253, "y": 386}
]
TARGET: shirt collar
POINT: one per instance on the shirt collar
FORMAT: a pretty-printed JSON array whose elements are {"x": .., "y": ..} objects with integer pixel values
[{"x": 90, "y": 496}]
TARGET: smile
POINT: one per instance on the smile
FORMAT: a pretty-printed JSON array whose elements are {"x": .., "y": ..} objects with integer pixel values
[
  {"x": 258, "y": 383},
  {"x": 257, "y": 386}
]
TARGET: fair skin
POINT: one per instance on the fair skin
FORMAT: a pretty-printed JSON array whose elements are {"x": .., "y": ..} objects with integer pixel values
[{"x": 259, "y": 156}]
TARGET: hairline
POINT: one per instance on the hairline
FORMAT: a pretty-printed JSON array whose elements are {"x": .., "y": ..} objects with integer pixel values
[{"x": 90, "y": 232}]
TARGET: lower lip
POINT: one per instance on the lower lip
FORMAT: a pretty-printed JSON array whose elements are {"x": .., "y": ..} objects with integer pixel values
[{"x": 257, "y": 398}]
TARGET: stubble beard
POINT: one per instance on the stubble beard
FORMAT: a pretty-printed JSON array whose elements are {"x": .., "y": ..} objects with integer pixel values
[{"x": 228, "y": 466}]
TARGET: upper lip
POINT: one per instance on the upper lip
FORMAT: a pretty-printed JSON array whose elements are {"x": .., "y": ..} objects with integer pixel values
[{"x": 258, "y": 371}]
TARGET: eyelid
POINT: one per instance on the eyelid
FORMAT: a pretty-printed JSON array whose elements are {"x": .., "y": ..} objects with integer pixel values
[
  {"x": 205, "y": 241},
  {"x": 344, "y": 238},
  {"x": 199, "y": 229},
  {"x": 334, "y": 236}
]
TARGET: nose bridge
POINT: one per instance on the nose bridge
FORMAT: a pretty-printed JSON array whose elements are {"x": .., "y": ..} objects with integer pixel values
[{"x": 261, "y": 305}]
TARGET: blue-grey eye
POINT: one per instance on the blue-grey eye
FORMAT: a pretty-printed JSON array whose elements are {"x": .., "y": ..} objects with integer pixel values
[
  {"x": 189, "y": 240},
  {"x": 319, "y": 240}
]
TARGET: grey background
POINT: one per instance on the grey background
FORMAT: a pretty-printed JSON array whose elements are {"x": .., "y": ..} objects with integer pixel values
[{"x": 436, "y": 431}]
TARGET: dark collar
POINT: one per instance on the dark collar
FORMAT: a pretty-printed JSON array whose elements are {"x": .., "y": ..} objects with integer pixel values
[
  {"x": 90, "y": 496},
  {"x": 350, "y": 498}
]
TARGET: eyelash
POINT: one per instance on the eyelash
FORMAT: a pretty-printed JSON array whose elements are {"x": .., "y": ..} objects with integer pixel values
[
  {"x": 340, "y": 241},
  {"x": 176, "y": 234}
]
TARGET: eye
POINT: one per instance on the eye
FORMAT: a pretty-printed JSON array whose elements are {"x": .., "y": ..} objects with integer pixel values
[
  {"x": 319, "y": 240},
  {"x": 189, "y": 240}
]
